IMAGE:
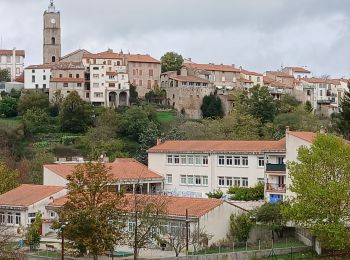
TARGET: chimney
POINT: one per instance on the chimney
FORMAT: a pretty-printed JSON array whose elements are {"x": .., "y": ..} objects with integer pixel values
[{"x": 159, "y": 141}]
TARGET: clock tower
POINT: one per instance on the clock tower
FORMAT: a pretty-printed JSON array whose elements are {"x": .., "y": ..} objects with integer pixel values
[{"x": 52, "y": 34}]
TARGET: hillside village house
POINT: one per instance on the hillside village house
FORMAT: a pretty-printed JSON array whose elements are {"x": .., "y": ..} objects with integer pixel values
[
  {"x": 19, "y": 206},
  {"x": 13, "y": 61},
  {"x": 194, "y": 168},
  {"x": 297, "y": 72},
  {"x": 130, "y": 176},
  {"x": 185, "y": 93}
]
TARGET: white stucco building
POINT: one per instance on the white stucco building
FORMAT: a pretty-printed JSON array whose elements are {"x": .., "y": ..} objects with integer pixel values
[
  {"x": 194, "y": 168},
  {"x": 19, "y": 206},
  {"x": 13, "y": 61},
  {"x": 37, "y": 77}
]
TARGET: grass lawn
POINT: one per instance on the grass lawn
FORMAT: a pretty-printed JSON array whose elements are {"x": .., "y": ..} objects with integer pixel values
[
  {"x": 165, "y": 116},
  {"x": 13, "y": 121}
]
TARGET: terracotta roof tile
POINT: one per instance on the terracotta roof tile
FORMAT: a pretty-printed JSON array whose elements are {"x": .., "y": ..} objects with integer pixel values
[
  {"x": 40, "y": 66},
  {"x": 10, "y": 52},
  {"x": 142, "y": 58},
  {"x": 279, "y": 74},
  {"x": 219, "y": 146},
  {"x": 246, "y": 72},
  {"x": 212, "y": 67},
  {"x": 245, "y": 80},
  {"x": 306, "y": 136},
  {"x": 28, "y": 194},
  {"x": 299, "y": 69},
  {"x": 123, "y": 169},
  {"x": 75, "y": 52},
  {"x": 176, "y": 206}
]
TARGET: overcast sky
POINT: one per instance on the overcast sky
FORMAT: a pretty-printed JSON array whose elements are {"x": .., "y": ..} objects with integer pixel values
[{"x": 260, "y": 35}]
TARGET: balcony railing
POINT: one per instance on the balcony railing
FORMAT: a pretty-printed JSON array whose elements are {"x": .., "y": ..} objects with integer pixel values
[
  {"x": 275, "y": 167},
  {"x": 275, "y": 187}
]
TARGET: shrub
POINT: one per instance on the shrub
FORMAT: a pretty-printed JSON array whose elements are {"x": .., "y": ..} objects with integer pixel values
[
  {"x": 216, "y": 194},
  {"x": 240, "y": 226},
  {"x": 36, "y": 120},
  {"x": 247, "y": 194},
  {"x": 70, "y": 139},
  {"x": 8, "y": 107}
]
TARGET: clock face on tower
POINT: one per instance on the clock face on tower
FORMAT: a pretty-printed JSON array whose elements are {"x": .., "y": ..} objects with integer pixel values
[{"x": 53, "y": 21}]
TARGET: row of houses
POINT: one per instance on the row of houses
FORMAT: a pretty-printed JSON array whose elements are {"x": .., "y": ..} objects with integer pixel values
[{"x": 181, "y": 171}]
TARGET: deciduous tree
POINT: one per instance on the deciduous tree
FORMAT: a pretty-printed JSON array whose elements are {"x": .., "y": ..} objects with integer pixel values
[
  {"x": 261, "y": 104},
  {"x": 8, "y": 178},
  {"x": 344, "y": 117},
  {"x": 33, "y": 99},
  {"x": 8, "y": 106},
  {"x": 171, "y": 61},
  {"x": 5, "y": 75}
]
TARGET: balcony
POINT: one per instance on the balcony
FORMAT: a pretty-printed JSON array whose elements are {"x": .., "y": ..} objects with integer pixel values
[
  {"x": 275, "y": 187},
  {"x": 326, "y": 100},
  {"x": 275, "y": 168}
]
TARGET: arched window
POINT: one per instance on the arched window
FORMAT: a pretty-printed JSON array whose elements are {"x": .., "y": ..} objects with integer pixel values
[
  {"x": 53, "y": 40},
  {"x": 53, "y": 58}
]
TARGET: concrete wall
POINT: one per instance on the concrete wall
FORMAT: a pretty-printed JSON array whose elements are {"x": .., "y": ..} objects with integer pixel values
[{"x": 52, "y": 179}]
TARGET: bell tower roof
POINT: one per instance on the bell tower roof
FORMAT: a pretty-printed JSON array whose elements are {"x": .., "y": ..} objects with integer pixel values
[{"x": 51, "y": 8}]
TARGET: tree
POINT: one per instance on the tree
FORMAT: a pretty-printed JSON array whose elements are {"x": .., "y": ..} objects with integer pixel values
[
  {"x": 308, "y": 107},
  {"x": 36, "y": 120},
  {"x": 216, "y": 194},
  {"x": 261, "y": 104},
  {"x": 7, "y": 247},
  {"x": 171, "y": 61},
  {"x": 33, "y": 99},
  {"x": 147, "y": 139},
  {"x": 5, "y": 75},
  {"x": 8, "y": 106},
  {"x": 16, "y": 94},
  {"x": 321, "y": 180},
  {"x": 344, "y": 122},
  {"x": 75, "y": 114},
  {"x": 240, "y": 226},
  {"x": 287, "y": 104},
  {"x": 32, "y": 236},
  {"x": 8, "y": 178},
  {"x": 134, "y": 96},
  {"x": 247, "y": 194},
  {"x": 56, "y": 103},
  {"x": 270, "y": 216},
  {"x": 147, "y": 215},
  {"x": 93, "y": 215},
  {"x": 156, "y": 95},
  {"x": 36, "y": 163},
  {"x": 211, "y": 107}
]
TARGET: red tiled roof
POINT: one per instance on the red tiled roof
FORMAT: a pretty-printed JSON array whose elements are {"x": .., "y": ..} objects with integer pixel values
[
  {"x": 142, "y": 58},
  {"x": 245, "y": 80},
  {"x": 246, "y": 72},
  {"x": 279, "y": 74},
  {"x": 211, "y": 67},
  {"x": 176, "y": 206},
  {"x": 75, "y": 52},
  {"x": 111, "y": 73},
  {"x": 27, "y": 194},
  {"x": 188, "y": 79},
  {"x": 299, "y": 69},
  {"x": 40, "y": 66},
  {"x": 219, "y": 146},
  {"x": 123, "y": 169},
  {"x": 10, "y": 52},
  {"x": 67, "y": 80},
  {"x": 314, "y": 80},
  {"x": 20, "y": 78},
  {"x": 276, "y": 83},
  {"x": 306, "y": 136}
]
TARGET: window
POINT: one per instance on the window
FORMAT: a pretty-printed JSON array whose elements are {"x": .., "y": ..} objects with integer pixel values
[
  {"x": 150, "y": 73},
  {"x": 18, "y": 59},
  {"x": 134, "y": 72},
  {"x": 2, "y": 218},
  {"x": 53, "y": 40},
  {"x": 321, "y": 92},
  {"x": 140, "y": 82},
  {"x": 33, "y": 71},
  {"x": 87, "y": 95},
  {"x": 169, "y": 158},
  {"x": 78, "y": 85},
  {"x": 183, "y": 179},
  {"x": 60, "y": 75},
  {"x": 237, "y": 161},
  {"x": 140, "y": 72},
  {"x": 197, "y": 160},
  {"x": 169, "y": 178},
  {"x": 36, "y": 86},
  {"x": 77, "y": 76},
  {"x": 95, "y": 76},
  {"x": 261, "y": 180},
  {"x": 44, "y": 77},
  {"x": 176, "y": 159},
  {"x": 8, "y": 59},
  {"x": 245, "y": 182},
  {"x": 245, "y": 161},
  {"x": 198, "y": 180},
  {"x": 308, "y": 92},
  {"x": 149, "y": 84},
  {"x": 229, "y": 160},
  {"x": 190, "y": 159},
  {"x": 183, "y": 159},
  {"x": 52, "y": 214},
  {"x": 190, "y": 179},
  {"x": 53, "y": 59},
  {"x": 18, "y": 219},
  {"x": 237, "y": 181},
  {"x": 98, "y": 94},
  {"x": 33, "y": 78},
  {"x": 131, "y": 226},
  {"x": 65, "y": 85},
  {"x": 205, "y": 160},
  {"x": 258, "y": 79},
  {"x": 95, "y": 68},
  {"x": 44, "y": 86},
  {"x": 95, "y": 85},
  {"x": 261, "y": 161},
  {"x": 229, "y": 181},
  {"x": 9, "y": 218},
  {"x": 221, "y": 181},
  {"x": 205, "y": 180},
  {"x": 71, "y": 75},
  {"x": 221, "y": 160}
]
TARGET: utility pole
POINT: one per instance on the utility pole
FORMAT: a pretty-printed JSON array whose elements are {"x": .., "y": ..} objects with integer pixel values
[{"x": 187, "y": 232}]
